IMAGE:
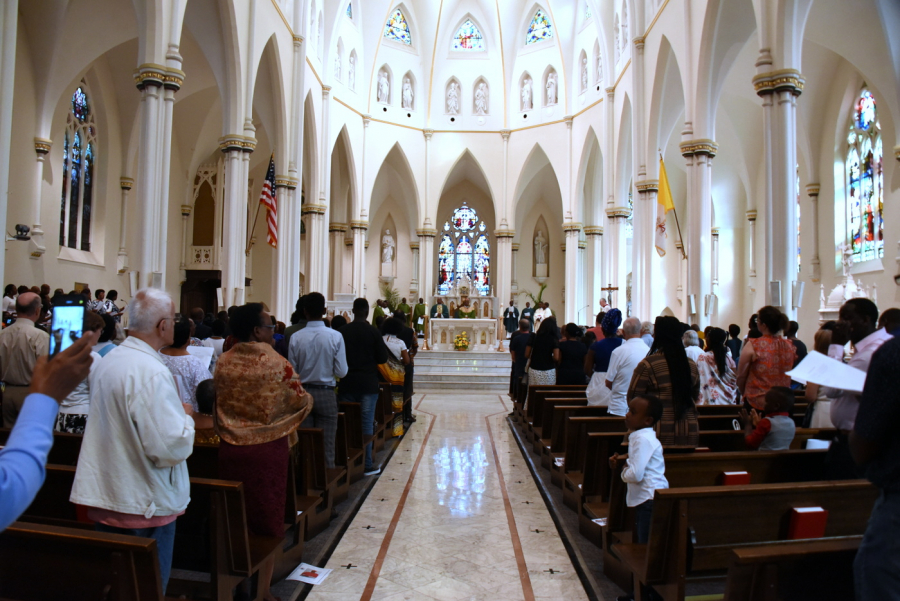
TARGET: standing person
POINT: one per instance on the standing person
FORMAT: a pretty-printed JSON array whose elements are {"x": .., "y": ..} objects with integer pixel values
[
  {"x": 131, "y": 470},
  {"x": 528, "y": 313},
  {"x": 298, "y": 321},
  {"x": 517, "y": 344},
  {"x": 216, "y": 342},
  {"x": 647, "y": 333},
  {"x": 408, "y": 336},
  {"x": 201, "y": 330},
  {"x": 540, "y": 314},
  {"x": 543, "y": 352},
  {"x": 597, "y": 330},
  {"x": 668, "y": 373},
  {"x": 9, "y": 299},
  {"x": 404, "y": 308},
  {"x": 571, "y": 357},
  {"x": 439, "y": 310},
  {"x": 645, "y": 467},
  {"x": 318, "y": 356},
  {"x": 734, "y": 341},
  {"x": 419, "y": 312},
  {"x": 378, "y": 312},
  {"x": 596, "y": 362},
  {"x": 393, "y": 370},
  {"x": 74, "y": 409},
  {"x": 692, "y": 345},
  {"x": 890, "y": 321},
  {"x": 819, "y": 404},
  {"x": 365, "y": 351},
  {"x": 20, "y": 346},
  {"x": 622, "y": 363},
  {"x": 793, "y": 327},
  {"x": 259, "y": 404},
  {"x": 718, "y": 380},
  {"x": 103, "y": 305},
  {"x": 510, "y": 319},
  {"x": 187, "y": 369},
  {"x": 857, "y": 321},
  {"x": 765, "y": 360},
  {"x": 604, "y": 306}
]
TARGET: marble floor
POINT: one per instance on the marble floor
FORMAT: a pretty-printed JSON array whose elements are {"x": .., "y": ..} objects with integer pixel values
[{"x": 454, "y": 516}]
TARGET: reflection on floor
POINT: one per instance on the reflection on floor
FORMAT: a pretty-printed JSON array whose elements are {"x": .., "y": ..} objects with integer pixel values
[{"x": 455, "y": 515}]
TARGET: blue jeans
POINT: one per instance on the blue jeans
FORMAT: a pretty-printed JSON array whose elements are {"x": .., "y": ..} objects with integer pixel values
[
  {"x": 165, "y": 543},
  {"x": 876, "y": 569},
  {"x": 642, "y": 515},
  {"x": 367, "y": 409}
]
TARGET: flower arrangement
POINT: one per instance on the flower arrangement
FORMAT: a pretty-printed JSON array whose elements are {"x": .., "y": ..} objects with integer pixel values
[{"x": 461, "y": 342}]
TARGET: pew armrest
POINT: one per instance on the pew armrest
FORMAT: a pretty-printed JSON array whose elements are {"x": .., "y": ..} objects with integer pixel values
[{"x": 633, "y": 556}]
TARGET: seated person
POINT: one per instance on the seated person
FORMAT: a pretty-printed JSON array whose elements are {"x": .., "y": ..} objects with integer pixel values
[
  {"x": 465, "y": 310},
  {"x": 775, "y": 431}
]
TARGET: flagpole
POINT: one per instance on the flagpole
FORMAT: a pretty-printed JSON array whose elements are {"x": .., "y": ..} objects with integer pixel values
[
  {"x": 675, "y": 213},
  {"x": 250, "y": 232}
]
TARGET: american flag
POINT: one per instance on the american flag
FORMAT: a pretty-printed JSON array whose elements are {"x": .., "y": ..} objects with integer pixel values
[{"x": 269, "y": 200}]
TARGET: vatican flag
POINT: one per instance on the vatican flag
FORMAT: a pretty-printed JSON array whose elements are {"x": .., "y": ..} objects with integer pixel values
[{"x": 663, "y": 206}]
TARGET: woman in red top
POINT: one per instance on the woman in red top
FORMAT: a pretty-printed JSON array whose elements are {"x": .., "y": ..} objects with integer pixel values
[{"x": 765, "y": 360}]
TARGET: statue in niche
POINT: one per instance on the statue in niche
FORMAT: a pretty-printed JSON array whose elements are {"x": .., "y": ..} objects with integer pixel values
[
  {"x": 551, "y": 89},
  {"x": 481, "y": 106},
  {"x": 337, "y": 66},
  {"x": 407, "y": 98},
  {"x": 453, "y": 98},
  {"x": 599, "y": 69},
  {"x": 527, "y": 104},
  {"x": 540, "y": 248},
  {"x": 387, "y": 247},
  {"x": 617, "y": 33},
  {"x": 846, "y": 257},
  {"x": 351, "y": 73},
  {"x": 384, "y": 87},
  {"x": 624, "y": 27},
  {"x": 584, "y": 74}
]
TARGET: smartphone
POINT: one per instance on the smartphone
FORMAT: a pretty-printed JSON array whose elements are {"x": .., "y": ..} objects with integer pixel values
[{"x": 67, "y": 323}]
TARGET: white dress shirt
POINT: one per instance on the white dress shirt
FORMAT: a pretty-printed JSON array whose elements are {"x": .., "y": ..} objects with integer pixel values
[
  {"x": 845, "y": 403},
  {"x": 622, "y": 362},
  {"x": 693, "y": 352},
  {"x": 317, "y": 354},
  {"x": 645, "y": 469}
]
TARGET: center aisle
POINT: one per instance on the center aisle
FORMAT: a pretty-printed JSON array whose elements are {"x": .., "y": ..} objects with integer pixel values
[{"x": 455, "y": 515}]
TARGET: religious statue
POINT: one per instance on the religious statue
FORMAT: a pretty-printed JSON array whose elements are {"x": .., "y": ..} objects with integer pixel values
[
  {"x": 384, "y": 87},
  {"x": 624, "y": 27},
  {"x": 599, "y": 69},
  {"x": 584, "y": 74},
  {"x": 387, "y": 247},
  {"x": 481, "y": 99},
  {"x": 527, "y": 104},
  {"x": 846, "y": 257},
  {"x": 465, "y": 310},
  {"x": 351, "y": 73},
  {"x": 407, "y": 98},
  {"x": 337, "y": 66},
  {"x": 453, "y": 98},
  {"x": 551, "y": 89},
  {"x": 540, "y": 248}
]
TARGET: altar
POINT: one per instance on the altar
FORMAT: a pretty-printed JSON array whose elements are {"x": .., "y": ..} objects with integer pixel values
[{"x": 482, "y": 333}]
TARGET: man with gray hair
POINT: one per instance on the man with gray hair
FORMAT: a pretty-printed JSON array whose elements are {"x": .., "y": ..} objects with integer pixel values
[
  {"x": 622, "y": 363},
  {"x": 20, "y": 346},
  {"x": 131, "y": 471},
  {"x": 647, "y": 333},
  {"x": 692, "y": 345}
]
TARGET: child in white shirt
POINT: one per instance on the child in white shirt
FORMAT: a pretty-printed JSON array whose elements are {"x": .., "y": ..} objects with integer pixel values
[{"x": 645, "y": 468}]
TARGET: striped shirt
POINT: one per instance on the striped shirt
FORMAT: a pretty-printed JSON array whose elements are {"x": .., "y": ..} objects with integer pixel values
[{"x": 652, "y": 376}]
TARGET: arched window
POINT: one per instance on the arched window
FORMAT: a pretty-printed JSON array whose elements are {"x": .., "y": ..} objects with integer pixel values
[
  {"x": 397, "y": 28},
  {"x": 79, "y": 160},
  {"x": 865, "y": 181},
  {"x": 349, "y": 10},
  {"x": 587, "y": 11},
  {"x": 464, "y": 249},
  {"x": 540, "y": 28},
  {"x": 468, "y": 37}
]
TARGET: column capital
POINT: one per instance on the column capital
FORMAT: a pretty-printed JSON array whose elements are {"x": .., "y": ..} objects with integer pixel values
[
  {"x": 571, "y": 226},
  {"x": 715, "y": 232},
  {"x": 150, "y": 74},
  {"x": 593, "y": 230},
  {"x": 610, "y": 92},
  {"x": 337, "y": 227},
  {"x": 312, "y": 209},
  {"x": 126, "y": 183},
  {"x": 699, "y": 146},
  {"x": 647, "y": 185},
  {"x": 366, "y": 120},
  {"x": 428, "y": 133},
  {"x": 237, "y": 142},
  {"x": 426, "y": 232},
  {"x": 507, "y": 233},
  {"x": 897, "y": 152},
  {"x": 326, "y": 91},
  {"x": 505, "y": 133},
  {"x": 618, "y": 213},
  {"x": 186, "y": 211},
  {"x": 751, "y": 215},
  {"x": 286, "y": 181},
  {"x": 569, "y": 119},
  {"x": 359, "y": 225},
  {"x": 42, "y": 145},
  {"x": 639, "y": 42},
  {"x": 582, "y": 245},
  {"x": 298, "y": 40},
  {"x": 789, "y": 80},
  {"x": 348, "y": 241},
  {"x": 812, "y": 190},
  {"x": 413, "y": 246},
  {"x": 514, "y": 246}
]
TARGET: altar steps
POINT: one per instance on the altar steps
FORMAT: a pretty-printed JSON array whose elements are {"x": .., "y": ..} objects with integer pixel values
[{"x": 458, "y": 370}]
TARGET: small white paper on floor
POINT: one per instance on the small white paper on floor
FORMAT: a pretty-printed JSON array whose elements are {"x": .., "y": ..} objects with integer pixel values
[
  {"x": 600, "y": 521},
  {"x": 309, "y": 574},
  {"x": 823, "y": 370}
]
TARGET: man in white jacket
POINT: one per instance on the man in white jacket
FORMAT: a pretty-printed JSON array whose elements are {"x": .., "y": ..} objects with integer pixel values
[{"x": 131, "y": 470}]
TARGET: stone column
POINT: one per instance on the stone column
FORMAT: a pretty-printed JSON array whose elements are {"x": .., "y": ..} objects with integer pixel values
[
  {"x": 358, "y": 270},
  {"x": 502, "y": 280},
  {"x": 779, "y": 91},
  {"x": 713, "y": 297},
  {"x": 617, "y": 276},
  {"x": 751, "y": 250},
  {"x": 584, "y": 308},
  {"x": 336, "y": 234},
  {"x": 125, "y": 184},
  {"x": 426, "y": 236},
  {"x": 41, "y": 149},
  {"x": 234, "y": 239},
  {"x": 287, "y": 254},
  {"x": 9, "y": 16},
  {"x": 699, "y": 155},
  {"x": 572, "y": 231},
  {"x": 644, "y": 222},
  {"x": 514, "y": 251},
  {"x": 317, "y": 243},
  {"x": 594, "y": 234},
  {"x": 414, "y": 282},
  {"x": 815, "y": 270}
]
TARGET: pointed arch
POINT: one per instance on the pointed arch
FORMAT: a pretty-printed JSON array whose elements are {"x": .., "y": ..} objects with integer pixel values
[
  {"x": 395, "y": 179},
  {"x": 272, "y": 105},
  {"x": 397, "y": 27},
  {"x": 533, "y": 183},
  {"x": 343, "y": 191},
  {"x": 308, "y": 174},
  {"x": 539, "y": 28},
  {"x": 468, "y": 36},
  {"x": 590, "y": 181},
  {"x": 623, "y": 155},
  {"x": 667, "y": 101},
  {"x": 466, "y": 166}
]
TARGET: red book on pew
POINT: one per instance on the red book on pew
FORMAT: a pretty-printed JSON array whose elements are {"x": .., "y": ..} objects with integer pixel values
[
  {"x": 734, "y": 478},
  {"x": 702, "y": 450},
  {"x": 807, "y": 522}
]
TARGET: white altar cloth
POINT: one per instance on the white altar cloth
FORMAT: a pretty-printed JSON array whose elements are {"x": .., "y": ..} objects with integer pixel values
[{"x": 482, "y": 333}]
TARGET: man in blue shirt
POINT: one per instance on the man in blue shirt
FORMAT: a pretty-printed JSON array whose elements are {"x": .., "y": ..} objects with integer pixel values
[
  {"x": 318, "y": 356},
  {"x": 23, "y": 458}
]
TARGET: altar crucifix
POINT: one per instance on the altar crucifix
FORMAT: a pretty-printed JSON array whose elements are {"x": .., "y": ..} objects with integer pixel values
[{"x": 609, "y": 289}]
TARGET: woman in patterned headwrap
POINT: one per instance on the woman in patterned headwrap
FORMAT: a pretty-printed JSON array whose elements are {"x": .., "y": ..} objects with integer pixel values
[
  {"x": 597, "y": 360},
  {"x": 669, "y": 374}
]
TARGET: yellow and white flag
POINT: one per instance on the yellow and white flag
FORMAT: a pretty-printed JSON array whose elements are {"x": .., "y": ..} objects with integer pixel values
[{"x": 663, "y": 206}]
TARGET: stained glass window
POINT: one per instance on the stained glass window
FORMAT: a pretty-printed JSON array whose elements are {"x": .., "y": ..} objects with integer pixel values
[
  {"x": 465, "y": 249},
  {"x": 540, "y": 28},
  {"x": 468, "y": 37},
  {"x": 397, "y": 28},
  {"x": 79, "y": 160},
  {"x": 349, "y": 10},
  {"x": 629, "y": 221},
  {"x": 865, "y": 181},
  {"x": 587, "y": 11}
]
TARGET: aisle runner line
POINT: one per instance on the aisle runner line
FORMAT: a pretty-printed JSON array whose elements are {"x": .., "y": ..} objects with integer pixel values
[
  {"x": 527, "y": 591},
  {"x": 382, "y": 552}
]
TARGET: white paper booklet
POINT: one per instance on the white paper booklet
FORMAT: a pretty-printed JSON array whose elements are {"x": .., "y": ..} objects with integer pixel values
[
  {"x": 823, "y": 370},
  {"x": 309, "y": 574},
  {"x": 204, "y": 353}
]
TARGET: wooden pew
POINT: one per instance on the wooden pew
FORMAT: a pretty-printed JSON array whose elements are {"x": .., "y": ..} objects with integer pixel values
[
  {"x": 694, "y": 530},
  {"x": 355, "y": 441},
  {"x": 543, "y": 419},
  {"x": 315, "y": 477},
  {"x": 39, "y": 562},
  {"x": 799, "y": 570},
  {"x": 65, "y": 450},
  {"x": 536, "y": 396},
  {"x": 553, "y": 448}
]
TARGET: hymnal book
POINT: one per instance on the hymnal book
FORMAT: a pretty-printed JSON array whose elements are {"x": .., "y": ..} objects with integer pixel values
[
  {"x": 309, "y": 574},
  {"x": 807, "y": 522},
  {"x": 734, "y": 478}
]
